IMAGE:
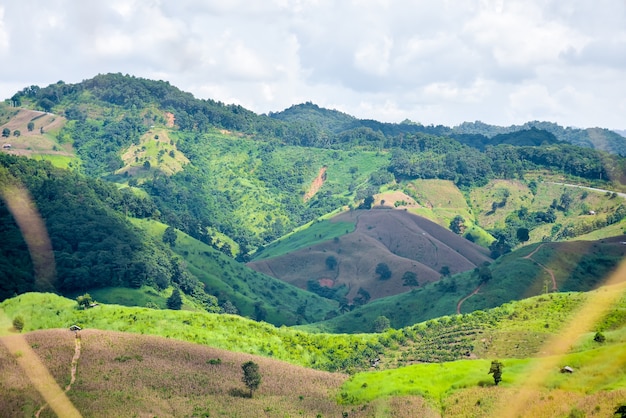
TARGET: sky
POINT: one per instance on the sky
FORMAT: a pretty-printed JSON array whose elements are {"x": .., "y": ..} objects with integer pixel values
[{"x": 433, "y": 62}]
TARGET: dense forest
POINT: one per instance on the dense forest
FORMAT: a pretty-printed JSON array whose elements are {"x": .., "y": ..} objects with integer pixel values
[{"x": 94, "y": 243}]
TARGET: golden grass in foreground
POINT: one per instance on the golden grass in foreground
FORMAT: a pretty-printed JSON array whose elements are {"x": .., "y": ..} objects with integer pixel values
[{"x": 126, "y": 375}]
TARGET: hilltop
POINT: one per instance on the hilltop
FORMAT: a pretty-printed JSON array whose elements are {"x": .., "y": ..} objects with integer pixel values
[{"x": 396, "y": 238}]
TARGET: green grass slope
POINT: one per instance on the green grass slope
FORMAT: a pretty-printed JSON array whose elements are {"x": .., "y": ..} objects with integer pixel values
[
  {"x": 520, "y": 334},
  {"x": 253, "y": 294},
  {"x": 527, "y": 272}
]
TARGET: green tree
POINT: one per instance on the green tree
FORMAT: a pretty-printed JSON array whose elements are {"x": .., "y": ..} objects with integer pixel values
[
  {"x": 17, "y": 133},
  {"x": 169, "y": 236},
  {"x": 175, "y": 301},
  {"x": 30, "y": 126},
  {"x": 523, "y": 234},
  {"x": 457, "y": 225},
  {"x": 6, "y": 132},
  {"x": 18, "y": 323},
  {"x": 409, "y": 278},
  {"x": 251, "y": 376},
  {"x": 445, "y": 271},
  {"x": 368, "y": 202},
  {"x": 383, "y": 271},
  {"x": 331, "y": 262},
  {"x": 599, "y": 337},
  {"x": 496, "y": 371},
  {"x": 382, "y": 324},
  {"x": 84, "y": 300},
  {"x": 229, "y": 308}
]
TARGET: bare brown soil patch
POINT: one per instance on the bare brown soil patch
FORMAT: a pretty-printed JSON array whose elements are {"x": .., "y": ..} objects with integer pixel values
[
  {"x": 35, "y": 142},
  {"x": 326, "y": 282},
  {"x": 169, "y": 119},
  {"x": 403, "y": 241},
  {"x": 317, "y": 184}
]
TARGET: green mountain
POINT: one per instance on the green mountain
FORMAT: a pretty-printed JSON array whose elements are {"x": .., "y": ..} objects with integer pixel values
[{"x": 263, "y": 189}]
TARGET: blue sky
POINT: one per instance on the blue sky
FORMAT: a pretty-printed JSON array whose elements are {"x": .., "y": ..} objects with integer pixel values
[{"x": 434, "y": 62}]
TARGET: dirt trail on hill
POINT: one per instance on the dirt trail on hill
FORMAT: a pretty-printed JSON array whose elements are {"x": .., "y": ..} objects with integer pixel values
[
  {"x": 317, "y": 184},
  {"x": 458, "y": 305},
  {"x": 550, "y": 272},
  {"x": 74, "y": 365},
  {"x": 39, "y": 376}
]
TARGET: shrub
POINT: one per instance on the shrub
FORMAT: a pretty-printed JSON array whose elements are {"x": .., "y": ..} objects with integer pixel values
[{"x": 18, "y": 323}]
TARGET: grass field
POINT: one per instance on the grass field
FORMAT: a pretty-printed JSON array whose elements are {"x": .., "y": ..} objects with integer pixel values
[
  {"x": 112, "y": 363},
  {"x": 311, "y": 234}
]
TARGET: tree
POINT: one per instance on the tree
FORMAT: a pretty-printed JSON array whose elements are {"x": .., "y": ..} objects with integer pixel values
[
  {"x": 382, "y": 324},
  {"x": 229, "y": 308},
  {"x": 409, "y": 279},
  {"x": 368, "y": 202},
  {"x": 496, "y": 370},
  {"x": 599, "y": 337},
  {"x": 523, "y": 234},
  {"x": 445, "y": 271},
  {"x": 17, "y": 133},
  {"x": 383, "y": 271},
  {"x": 18, "y": 323},
  {"x": 169, "y": 236},
  {"x": 457, "y": 225},
  {"x": 331, "y": 262},
  {"x": 84, "y": 300},
  {"x": 251, "y": 376},
  {"x": 30, "y": 126},
  {"x": 146, "y": 165},
  {"x": 175, "y": 301},
  {"x": 6, "y": 132}
]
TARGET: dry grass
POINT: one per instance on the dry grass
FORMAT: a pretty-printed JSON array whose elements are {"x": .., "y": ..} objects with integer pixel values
[
  {"x": 483, "y": 402},
  {"x": 127, "y": 375},
  {"x": 395, "y": 237}
]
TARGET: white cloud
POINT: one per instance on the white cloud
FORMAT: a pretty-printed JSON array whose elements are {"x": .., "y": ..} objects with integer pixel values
[{"x": 437, "y": 62}]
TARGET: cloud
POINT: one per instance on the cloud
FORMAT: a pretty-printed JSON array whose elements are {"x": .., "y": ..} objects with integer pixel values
[{"x": 436, "y": 62}]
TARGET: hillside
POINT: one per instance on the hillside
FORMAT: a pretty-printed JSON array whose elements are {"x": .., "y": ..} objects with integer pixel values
[
  {"x": 531, "y": 271},
  {"x": 262, "y": 188},
  {"x": 394, "y": 238},
  {"x": 534, "y": 339}
]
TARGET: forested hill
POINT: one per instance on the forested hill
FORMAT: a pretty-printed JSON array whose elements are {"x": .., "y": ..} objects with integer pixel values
[{"x": 261, "y": 166}]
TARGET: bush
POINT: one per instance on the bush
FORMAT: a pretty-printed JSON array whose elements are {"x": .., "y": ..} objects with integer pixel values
[
  {"x": 599, "y": 337},
  {"x": 18, "y": 323}
]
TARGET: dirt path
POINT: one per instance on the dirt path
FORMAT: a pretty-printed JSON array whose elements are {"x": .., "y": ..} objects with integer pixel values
[
  {"x": 458, "y": 305},
  {"x": 317, "y": 184},
  {"x": 550, "y": 272},
  {"x": 39, "y": 375},
  {"x": 77, "y": 346}
]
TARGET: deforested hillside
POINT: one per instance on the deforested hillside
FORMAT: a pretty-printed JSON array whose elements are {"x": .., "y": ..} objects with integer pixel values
[
  {"x": 388, "y": 252},
  {"x": 261, "y": 188}
]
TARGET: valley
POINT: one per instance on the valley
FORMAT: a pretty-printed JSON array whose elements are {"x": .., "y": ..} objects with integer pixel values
[{"x": 370, "y": 269}]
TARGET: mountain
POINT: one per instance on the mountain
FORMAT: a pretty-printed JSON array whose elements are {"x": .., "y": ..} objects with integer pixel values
[{"x": 259, "y": 188}]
